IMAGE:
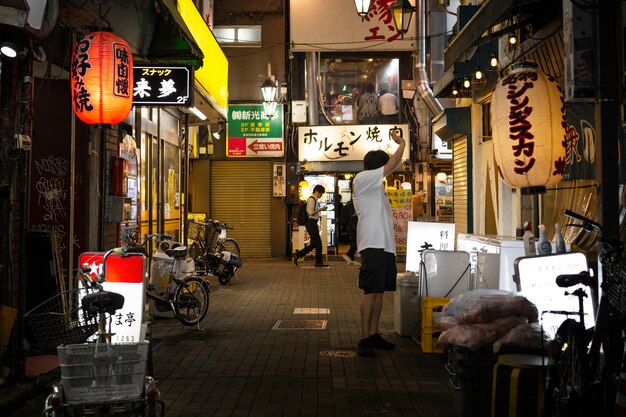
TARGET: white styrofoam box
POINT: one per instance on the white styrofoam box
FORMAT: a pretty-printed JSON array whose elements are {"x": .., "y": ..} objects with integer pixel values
[{"x": 447, "y": 273}]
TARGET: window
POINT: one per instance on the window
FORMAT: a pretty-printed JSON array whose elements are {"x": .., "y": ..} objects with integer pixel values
[{"x": 238, "y": 36}]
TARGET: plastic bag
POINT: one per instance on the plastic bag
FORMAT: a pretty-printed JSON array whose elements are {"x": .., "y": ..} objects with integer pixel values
[
  {"x": 483, "y": 306},
  {"x": 527, "y": 335}
]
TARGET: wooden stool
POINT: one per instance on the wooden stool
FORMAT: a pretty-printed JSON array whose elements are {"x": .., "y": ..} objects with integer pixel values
[{"x": 518, "y": 362}]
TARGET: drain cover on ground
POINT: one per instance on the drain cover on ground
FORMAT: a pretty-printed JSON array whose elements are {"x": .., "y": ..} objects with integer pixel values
[
  {"x": 311, "y": 310},
  {"x": 300, "y": 325},
  {"x": 338, "y": 353}
]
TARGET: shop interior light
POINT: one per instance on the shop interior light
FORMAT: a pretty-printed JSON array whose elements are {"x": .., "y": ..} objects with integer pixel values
[
  {"x": 455, "y": 91},
  {"x": 466, "y": 83},
  {"x": 441, "y": 177},
  {"x": 493, "y": 61},
  {"x": 362, "y": 7},
  {"x": 478, "y": 74},
  {"x": 198, "y": 113},
  {"x": 8, "y": 49}
]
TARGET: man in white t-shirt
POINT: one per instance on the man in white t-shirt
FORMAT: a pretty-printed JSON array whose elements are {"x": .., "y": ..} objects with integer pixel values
[{"x": 375, "y": 241}]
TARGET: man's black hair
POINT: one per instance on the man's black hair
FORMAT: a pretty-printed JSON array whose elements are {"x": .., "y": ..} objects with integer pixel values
[
  {"x": 375, "y": 159},
  {"x": 319, "y": 189}
]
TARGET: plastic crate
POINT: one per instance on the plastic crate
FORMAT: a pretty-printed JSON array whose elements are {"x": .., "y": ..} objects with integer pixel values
[
  {"x": 431, "y": 306},
  {"x": 430, "y": 340},
  {"x": 103, "y": 372},
  {"x": 471, "y": 374}
]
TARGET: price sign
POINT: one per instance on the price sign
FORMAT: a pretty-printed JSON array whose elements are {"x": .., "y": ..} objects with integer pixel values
[{"x": 401, "y": 213}]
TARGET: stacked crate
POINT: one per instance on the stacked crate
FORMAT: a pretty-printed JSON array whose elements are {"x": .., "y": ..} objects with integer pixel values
[{"x": 430, "y": 329}]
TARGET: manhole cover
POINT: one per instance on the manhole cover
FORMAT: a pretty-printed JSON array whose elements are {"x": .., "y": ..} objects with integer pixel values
[
  {"x": 338, "y": 353},
  {"x": 300, "y": 325},
  {"x": 311, "y": 310}
]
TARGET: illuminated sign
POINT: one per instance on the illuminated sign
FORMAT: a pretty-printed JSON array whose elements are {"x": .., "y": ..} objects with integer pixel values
[{"x": 163, "y": 86}]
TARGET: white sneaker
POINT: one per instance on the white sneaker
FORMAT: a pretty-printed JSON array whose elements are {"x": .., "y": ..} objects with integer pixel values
[{"x": 347, "y": 258}]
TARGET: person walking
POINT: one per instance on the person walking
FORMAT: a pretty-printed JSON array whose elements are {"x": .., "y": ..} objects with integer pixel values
[
  {"x": 313, "y": 210},
  {"x": 350, "y": 221},
  {"x": 375, "y": 242}
]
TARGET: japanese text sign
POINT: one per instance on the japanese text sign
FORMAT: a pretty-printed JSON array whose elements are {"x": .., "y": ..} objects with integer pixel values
[
  {"x": 163, "y": 86},
  {"x": 439, "y": 235},
  {"x": 124, "y": 275},
  {"x": 348, "y": 142},
  {"x": 401, "y": 213},
  {"x": 251, "y": 133}
]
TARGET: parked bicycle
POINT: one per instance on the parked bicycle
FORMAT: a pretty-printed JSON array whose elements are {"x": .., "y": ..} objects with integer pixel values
[
  {"x": 101, "y": 378},
  {"x": 212, "y": 251},
  {"x": 585, "y": 364},
  {"x": 185, "y": 295}
]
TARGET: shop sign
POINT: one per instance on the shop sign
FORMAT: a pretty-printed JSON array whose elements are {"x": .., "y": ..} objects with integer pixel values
[
  {"x": 401, "y": 213},
  {"x": 252, "y": 134},
  {"x": 347, "y": 142},
  {"x": 580, "y": 142},
  {"x": 439, "y": 235},
  {"x": 163, "y": 86},
  {"x": 124, "y": 275}
]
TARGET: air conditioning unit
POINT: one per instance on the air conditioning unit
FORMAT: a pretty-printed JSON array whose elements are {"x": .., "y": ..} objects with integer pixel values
[{"x": 579, "y": 41}]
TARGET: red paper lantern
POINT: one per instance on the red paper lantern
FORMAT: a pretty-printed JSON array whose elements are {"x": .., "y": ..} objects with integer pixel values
[
  {"x": 528, "y": 123},
  {"x": 102, "y": 78}
]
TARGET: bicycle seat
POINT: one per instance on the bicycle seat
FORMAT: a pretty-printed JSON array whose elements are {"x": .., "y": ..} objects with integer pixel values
[
  {"x": 103, "y": 301},
  {"x": 177, "y": 252}
]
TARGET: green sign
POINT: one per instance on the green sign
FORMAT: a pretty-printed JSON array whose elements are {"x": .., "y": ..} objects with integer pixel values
[{"x": 250, "y": 121}]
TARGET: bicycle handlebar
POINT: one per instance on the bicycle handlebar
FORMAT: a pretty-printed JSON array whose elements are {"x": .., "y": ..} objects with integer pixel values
[{"x": 588, "y": 224}]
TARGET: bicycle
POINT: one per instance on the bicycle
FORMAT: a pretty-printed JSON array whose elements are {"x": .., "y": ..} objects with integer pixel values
[
  {"x": 584, "y": 364},
  {"x": 212, "y": 258},
  {"x": 186, "y": 296},
  {"x": 102, "y": 378}
]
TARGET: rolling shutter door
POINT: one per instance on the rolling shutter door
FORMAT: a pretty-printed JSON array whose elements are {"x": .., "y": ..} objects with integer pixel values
[
  {"x": 240, "y": 196},
  {"x": 460, "y": 182}
]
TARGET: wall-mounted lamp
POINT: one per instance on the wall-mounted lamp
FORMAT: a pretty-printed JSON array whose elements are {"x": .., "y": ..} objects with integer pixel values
[
  {"x": 269, "y": 90},
  {"x": 441, "y": 177},
  {"x": 362, "y": 7},
  {"x": 8, "y": 49},
  {"x": 402, "y": 11},
  {"x": 269, "y": 107}
]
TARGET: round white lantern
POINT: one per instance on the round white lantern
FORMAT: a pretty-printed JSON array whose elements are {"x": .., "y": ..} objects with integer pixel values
[{"x": 528, "y": 124}]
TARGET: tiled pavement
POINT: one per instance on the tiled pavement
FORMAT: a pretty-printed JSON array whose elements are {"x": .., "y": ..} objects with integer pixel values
[{"x": 238, "y": 366}]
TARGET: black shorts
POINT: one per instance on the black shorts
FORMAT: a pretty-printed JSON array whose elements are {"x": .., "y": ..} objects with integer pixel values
[{"x": 378, "y": 271}]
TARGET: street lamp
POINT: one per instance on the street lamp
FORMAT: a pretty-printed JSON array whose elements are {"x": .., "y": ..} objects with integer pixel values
[
  {"x": 402, "y": 11},
  {"x": 269, "y": 91},
  {"x": 362, "y": 7}
]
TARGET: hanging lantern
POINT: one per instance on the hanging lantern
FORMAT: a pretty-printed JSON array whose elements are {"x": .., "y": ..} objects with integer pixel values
[
  {"x": 102, "y": 78},
  {"x": 528, "y": 124}
]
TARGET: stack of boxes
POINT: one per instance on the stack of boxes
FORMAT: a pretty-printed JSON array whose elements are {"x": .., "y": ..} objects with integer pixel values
[{"x": 430, "y": 330}]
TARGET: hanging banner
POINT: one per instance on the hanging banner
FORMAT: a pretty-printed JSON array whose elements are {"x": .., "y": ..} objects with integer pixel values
[
  {"x": 401, "y": 214},
  {"x": 348, "y": 142},
  {"x": 252, "y": 134}
]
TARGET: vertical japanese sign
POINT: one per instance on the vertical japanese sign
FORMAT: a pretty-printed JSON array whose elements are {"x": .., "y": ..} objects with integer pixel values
[
  {"x": 401, "y": 214},
  {"x": 348, "y": 142},
  {"x": 124, "y": 275},
  {"x": 252, "y": 134},
  {"x": 439, "y": 235}
]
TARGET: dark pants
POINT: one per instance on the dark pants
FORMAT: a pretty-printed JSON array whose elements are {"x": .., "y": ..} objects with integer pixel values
[
  {"x": 316, "y": 241},
  {"x": 352, "y": 239}
]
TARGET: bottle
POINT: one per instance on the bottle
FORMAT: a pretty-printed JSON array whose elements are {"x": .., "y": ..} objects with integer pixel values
[
  {"x": 544, "y": 247},
  {"x": 560, "y": 242},
  {"x": 529, "y": 240}
]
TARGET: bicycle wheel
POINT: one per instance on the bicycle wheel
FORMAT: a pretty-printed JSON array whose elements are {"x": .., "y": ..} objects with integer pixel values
[
  {"x": 191, "y": 300},
  {"x": 569, "y": 394},
  {"x": 228, "y": 245}
]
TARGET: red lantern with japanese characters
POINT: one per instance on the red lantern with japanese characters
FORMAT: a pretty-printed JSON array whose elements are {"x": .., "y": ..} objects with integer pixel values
[
  {"x": 101, "y": 78},
  {"x": 528, "y": 124}
]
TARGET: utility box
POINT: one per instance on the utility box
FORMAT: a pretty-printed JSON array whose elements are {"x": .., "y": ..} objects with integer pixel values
[{"x": 406, "y": 306}]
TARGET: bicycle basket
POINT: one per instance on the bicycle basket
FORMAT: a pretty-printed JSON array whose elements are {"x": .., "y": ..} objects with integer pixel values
[
  {"x": 196, "y": 231},
  {"x": 93, "y": 372},
  {"x": 57, "y": 321}
]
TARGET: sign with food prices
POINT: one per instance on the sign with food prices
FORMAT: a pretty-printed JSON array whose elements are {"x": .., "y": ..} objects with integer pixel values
[
  {"x": 124, "y": 275},
  {"x": 252, "y": 134},
  {"x": 439, "y": 235},
  {"x": 401, "y": 214}
]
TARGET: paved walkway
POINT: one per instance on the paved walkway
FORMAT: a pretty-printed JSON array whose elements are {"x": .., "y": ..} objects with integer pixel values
[{"x": 237, "y": 365}]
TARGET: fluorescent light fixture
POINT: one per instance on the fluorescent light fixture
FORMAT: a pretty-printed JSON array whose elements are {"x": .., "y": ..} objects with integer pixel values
[
  {"x": 198, "y": 113},
  {"x": 216, "y": 135}
]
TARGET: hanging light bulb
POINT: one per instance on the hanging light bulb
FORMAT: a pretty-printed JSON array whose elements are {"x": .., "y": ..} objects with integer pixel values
[
  {"x": 466, "y": 83},
  {"x": 512, "y": 39},
  {"x": 455, "y": 91},
  {"x": 478, "y": 74},
  {"x": 493, "y": 61}
]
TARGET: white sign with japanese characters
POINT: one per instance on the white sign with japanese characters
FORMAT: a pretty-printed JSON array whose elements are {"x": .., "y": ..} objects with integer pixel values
[
  {"x": 439, "y": 235},
  {"x": 348, "y": 142}
]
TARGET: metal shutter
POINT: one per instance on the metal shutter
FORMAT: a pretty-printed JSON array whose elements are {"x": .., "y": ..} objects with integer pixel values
[
  {"x": 240, "y": 196},
  {"x": 460, "y": 182}
]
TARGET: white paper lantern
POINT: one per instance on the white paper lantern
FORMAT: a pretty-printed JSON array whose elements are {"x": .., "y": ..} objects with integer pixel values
[{"x": 528, "y": 124}]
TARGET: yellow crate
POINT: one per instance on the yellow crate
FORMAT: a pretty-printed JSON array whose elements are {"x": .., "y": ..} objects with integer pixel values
[
  {"x": 430, "y": 306},
  {"x": 430, "y": 342}
]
